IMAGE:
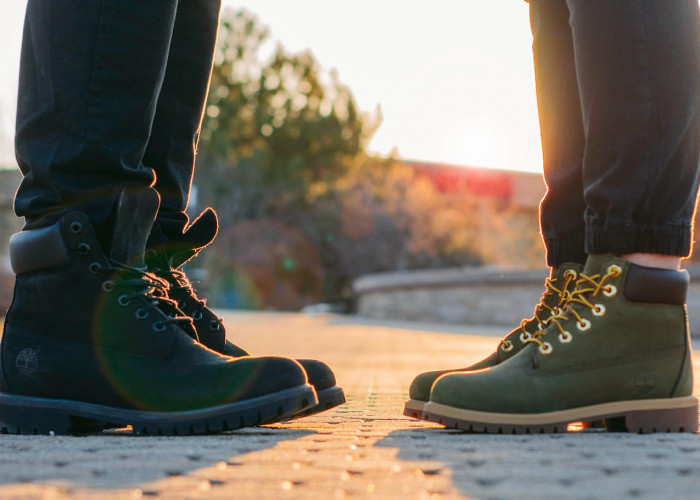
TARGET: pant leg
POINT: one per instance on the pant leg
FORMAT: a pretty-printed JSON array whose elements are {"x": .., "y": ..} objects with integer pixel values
[
  {"x": 638, "y": 69},
  {"x": 561, "y": 126},
  {"x": 90, "y": 74},
  {"x": 173, "y": 142}
]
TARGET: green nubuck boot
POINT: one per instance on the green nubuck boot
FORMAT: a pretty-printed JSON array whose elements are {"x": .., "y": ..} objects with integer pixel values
[
  {"x": 618, "y": 352},
  {"x": 561, "y": 281},
  {"x": 165, "y": 257},
  {"x": 91, "y": 341}
]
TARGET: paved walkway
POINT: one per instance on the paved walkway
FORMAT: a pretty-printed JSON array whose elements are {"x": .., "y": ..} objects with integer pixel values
[{"x": 364, "y": 449}]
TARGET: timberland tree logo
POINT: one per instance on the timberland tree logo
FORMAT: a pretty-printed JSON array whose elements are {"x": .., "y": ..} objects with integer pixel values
[
  {"x": 645, "y": 382},
  {"x": 27, "y": 361}
]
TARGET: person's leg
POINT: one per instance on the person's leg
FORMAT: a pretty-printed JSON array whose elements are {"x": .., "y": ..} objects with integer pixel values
[
  {"x": 173, "y": 142},
  {"x": 90, "y": 75},
  {"x": 91, "y": 339},
  {"x": 641, "y": 112},
  {"x": 620, "y": 349},
  {"x": 561, "y": 127}
]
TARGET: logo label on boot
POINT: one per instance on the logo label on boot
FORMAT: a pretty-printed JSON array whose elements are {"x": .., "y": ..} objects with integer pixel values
[
  {"x": 27, "y": 361},
  {"x": 645, "y": 382}
]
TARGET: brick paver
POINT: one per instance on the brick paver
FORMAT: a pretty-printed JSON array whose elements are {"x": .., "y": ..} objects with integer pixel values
[{"x": 364, "y": 449}]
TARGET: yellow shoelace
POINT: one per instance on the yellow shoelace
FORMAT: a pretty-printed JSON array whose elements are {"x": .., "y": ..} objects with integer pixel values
[
  {"x": 587, "y": 288},
  {"x": 544, "y": 308}
]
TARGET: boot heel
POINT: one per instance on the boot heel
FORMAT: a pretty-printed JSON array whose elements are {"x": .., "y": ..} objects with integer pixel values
[
  {"x": 669, "y": 420},
  {"x": 33, "y": 420}
]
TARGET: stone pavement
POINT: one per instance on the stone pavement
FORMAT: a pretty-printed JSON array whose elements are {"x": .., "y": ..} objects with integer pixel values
[{"x": 364, "y": 449}]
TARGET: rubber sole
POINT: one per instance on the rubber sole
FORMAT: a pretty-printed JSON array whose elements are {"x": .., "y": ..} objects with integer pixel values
[
  {"x": 414, "y": 408},
  {"x": 640, "y": 416},
  {"x": 32, "y": 415},
  {"x": 328, "y": 398}
]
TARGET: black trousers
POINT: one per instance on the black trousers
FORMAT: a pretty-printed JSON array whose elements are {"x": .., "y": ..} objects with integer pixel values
[
  {"x": 618, "y": 89},
  {"x": 111, "y": 94}
]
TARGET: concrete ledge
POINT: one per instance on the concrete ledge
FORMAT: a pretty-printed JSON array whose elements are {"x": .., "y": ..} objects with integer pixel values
[{"x": 486, "y": 296}]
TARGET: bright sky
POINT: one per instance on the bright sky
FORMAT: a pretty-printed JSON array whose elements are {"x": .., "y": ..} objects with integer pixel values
[{"x": 453, "y": 77}]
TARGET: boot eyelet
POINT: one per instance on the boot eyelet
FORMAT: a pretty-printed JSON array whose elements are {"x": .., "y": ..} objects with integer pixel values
[
  {"x": 159, "y": 326},
  {"x": 180, "y": 304},
  {"x": 615, "y": 270},
  {"x": 83, "y": 248},
  {"x": 150, "y": 253},
  {"x": 571, "y": 274},
  {"x": 546, "y": 348},
  {"x": 506, "y": 346},
  {"x": 95, "y": 267},
  {"x": 76, "y": 227},
  {"x": 598, "y": 310},
  {"x": 609, "y": 290},
  {"x": 214, "y": 325},
  {"x": 197, "y": 315},
  {"x": 141, "y": 313},
  {"x": 108, "y": 286},
  {"x": 525, "y": 336},
  {"x": 124, "y": 300},
  {"x": 565, "y": 337},
  {"x": 583, "y": 325}
]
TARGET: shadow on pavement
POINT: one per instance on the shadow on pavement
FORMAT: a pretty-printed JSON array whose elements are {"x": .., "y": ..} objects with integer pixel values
[
  {"x": 586, "y": 465},
  {"x": 120, "y": 460}
]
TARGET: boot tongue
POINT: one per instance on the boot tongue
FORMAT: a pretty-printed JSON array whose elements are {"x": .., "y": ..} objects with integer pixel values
[
  {"x": 179, "y": 248},
  {"x": 596, "y": 263},
  {"x": 136, "y": 211}
]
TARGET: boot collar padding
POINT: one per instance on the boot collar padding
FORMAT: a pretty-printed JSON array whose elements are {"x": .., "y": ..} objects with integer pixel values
[
  {"x": 656, "y": 286},
  {"x": 37, "y": 249}
]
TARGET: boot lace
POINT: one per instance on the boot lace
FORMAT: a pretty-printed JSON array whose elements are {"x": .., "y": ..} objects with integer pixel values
[
  {"x": 135, "y": 284},
  {"x": 180, "y": 285},
  {"x": 543, "y": 310},
  {"x": 582, "y": 298}
]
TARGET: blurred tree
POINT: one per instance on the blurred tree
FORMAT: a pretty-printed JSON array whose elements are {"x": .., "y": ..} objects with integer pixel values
[{"x": 272, "y": 127}]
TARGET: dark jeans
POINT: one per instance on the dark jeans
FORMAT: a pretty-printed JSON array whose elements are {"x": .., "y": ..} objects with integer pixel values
[
  {"x": 618, "y": 89},
  {"x": 111, "y": 95}
]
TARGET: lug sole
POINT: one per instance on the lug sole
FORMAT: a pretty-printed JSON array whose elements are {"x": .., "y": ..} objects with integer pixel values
[
  {"x": 33, "y": 415},
  {"x": 414, "y": 408},
  {"x": 640, "y": 416},
  {"x": 328, "y": 398}
]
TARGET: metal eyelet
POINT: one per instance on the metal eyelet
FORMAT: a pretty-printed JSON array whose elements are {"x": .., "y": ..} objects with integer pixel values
[
  {"x": 95, "y": 267},
  {"x": 141, "y": 313},
  {"x": 617, "y": 270},
  {"x": 197, "y": 315},
  {"x": 525, "y": 336},
  {"x": 108, "y": 286},
  {"x": 76, "y": 227},
  {"x": 159, "y": 326},
  {"x": 180, "y": 304},
  {"x": 124, "y": 300},
  {"x": 570, "y": 273},
  {"x": 583, "y": 325},
  {"x": 598, "y": 310},
  {"x": 546, "y": 348},
  {"x": 609, "y": 290},
  {"x": 214, "y": 325},
  {"x": 506, "y": 346},
  {"x": 83, "y": 248},
  {"x": 565, "y": 337}
]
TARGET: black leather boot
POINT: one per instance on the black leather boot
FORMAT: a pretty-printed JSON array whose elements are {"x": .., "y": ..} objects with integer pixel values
[
  {"x": 165, "y": 258},
  {"x": 91, "y": 341}
]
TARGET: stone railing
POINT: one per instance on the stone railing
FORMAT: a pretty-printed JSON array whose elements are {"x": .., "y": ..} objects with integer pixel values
[{"x": 471, "y": 296}]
